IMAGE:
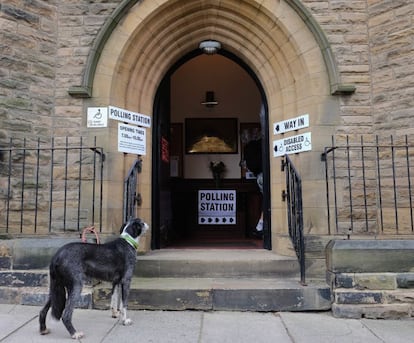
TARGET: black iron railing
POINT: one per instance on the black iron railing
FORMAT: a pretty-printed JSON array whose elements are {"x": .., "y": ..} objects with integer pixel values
[
  {"x": 131, "y": 197},
  {"x": 50, "y": 186},
  {"x": 369, "y": 185},
  {"x": 293, "y": 197}
]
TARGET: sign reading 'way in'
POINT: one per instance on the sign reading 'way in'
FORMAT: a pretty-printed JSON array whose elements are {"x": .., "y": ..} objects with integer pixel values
[
  {"x": 291, "y": 124},
  {"x": 292, "y": 145},
  {"x": 217, "y": 207}
]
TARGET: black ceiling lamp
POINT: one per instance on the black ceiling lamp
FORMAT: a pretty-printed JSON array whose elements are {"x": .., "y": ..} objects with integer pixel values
[{"x": 210, "y": 101}]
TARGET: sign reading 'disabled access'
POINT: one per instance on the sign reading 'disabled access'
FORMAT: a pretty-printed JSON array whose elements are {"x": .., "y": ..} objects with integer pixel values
[
  {"x": 217, "y": 207},
  {"x": 292, "y": 145},
  {"x": 126, "y": 116},
  {"x": 291, "y": 124},
  {"x": 132, "y": 139}
]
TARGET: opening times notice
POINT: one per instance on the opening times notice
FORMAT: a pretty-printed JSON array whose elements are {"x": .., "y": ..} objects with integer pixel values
[{"x": 131, "y": 139}]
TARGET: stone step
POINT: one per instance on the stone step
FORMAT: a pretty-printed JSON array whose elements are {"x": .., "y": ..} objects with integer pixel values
[
  {"x": 37, "y": 296},
  {"x": 181, "y": 279},
  {"x": 24, "y": 278},
  {"x": 238, "y": 294},
  {"x": 215, "y": 263}
]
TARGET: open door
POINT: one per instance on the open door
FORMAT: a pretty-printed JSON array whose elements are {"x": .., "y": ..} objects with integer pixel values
[
  {"x": 179, "y": 175},
  {"x": 161, "y": 188}
]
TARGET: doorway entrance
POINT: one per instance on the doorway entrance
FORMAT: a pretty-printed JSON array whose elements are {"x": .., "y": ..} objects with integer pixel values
[{"x": 207, "y": 108}]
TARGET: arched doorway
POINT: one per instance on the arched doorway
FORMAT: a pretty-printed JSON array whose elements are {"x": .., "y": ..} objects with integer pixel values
[
  {"x": 180, "y": 112},
  {"x": 279, "y": 41}
]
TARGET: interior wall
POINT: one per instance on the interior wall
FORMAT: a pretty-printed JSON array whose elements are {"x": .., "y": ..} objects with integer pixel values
[{"x": 237, "y": 96}]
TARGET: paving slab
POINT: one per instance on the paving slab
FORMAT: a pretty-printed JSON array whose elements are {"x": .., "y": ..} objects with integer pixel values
[
  {"x": 20, "y": 324},
  {"x": 230, "y": 327},
  {"x": 392, "y": 331},
  {"x": 323, "y": 328},
  {"x": 12, "y": 320}
]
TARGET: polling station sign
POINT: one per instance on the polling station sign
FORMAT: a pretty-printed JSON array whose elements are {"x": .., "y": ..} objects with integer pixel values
[
  {"x": 131, "y": 139},
  {"x": 130, "y": 117},
  {"x": 217, "y": 207},
  {"x": 292, "y": 145}
]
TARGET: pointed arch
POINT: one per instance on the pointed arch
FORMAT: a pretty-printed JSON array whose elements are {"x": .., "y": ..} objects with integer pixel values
[{"x": 85, "y": 89}]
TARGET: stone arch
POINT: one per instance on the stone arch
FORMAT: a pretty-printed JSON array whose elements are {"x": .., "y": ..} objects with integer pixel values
[{"x": 85, "y": 89}]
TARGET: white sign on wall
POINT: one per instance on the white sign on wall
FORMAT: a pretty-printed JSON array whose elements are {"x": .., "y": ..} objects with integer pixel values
[
  {"x": 292, "y": 145},
  {"x": 126, "y": 116},
  {"x": 97, "y": 117},
  {"x": 217, "y": 207},
  {"x": 132, "y": 139},
  {"x": 291, "y": 124}
]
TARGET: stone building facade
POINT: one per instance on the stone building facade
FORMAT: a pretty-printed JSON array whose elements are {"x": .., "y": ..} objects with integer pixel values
[{"x": 347, "y": 63}]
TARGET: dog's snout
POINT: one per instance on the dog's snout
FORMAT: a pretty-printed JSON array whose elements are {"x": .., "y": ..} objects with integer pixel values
[{"x": 146, "y": 227}]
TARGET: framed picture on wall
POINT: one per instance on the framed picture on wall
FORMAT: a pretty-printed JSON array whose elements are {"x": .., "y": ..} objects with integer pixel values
[{"x": 211, "y": 136}]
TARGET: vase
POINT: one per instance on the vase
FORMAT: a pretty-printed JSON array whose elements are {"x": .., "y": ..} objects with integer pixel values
[{"x": 217, "y": 179}]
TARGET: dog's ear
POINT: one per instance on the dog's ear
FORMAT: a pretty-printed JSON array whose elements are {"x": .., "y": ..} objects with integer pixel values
[{"x": 122, "y": 227}]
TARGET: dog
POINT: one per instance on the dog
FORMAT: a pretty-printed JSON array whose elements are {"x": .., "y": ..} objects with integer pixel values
[{"x": 113, "y": 261}]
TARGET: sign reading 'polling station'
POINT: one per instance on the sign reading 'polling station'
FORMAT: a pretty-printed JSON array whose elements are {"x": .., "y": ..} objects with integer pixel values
[{"x": 217, "y": 207}]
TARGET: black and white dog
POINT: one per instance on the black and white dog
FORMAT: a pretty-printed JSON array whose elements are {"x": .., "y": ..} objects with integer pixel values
[{"x": 72, "y": 263}]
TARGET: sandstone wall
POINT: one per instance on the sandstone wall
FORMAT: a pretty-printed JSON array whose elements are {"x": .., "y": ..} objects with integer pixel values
[{"x": 45, "y": 45}]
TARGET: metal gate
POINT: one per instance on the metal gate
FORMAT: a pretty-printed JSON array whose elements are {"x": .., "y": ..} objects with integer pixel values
[
  {"x": 369, "y": 185},
  {"x": 50, "y": 187}
]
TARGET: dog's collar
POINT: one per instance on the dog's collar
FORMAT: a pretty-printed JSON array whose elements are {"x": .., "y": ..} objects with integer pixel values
[{"x": 132, "y": 242}]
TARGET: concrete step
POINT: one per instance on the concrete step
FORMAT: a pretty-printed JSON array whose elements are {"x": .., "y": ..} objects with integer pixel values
[
  {"x": 237, "y": 294},
  {"x": 216, "y": 263}
]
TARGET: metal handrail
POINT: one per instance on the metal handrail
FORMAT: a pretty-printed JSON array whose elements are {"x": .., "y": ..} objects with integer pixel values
[
  {"x": 131, "y": 197},
  {"x": 293, "y": 196}
]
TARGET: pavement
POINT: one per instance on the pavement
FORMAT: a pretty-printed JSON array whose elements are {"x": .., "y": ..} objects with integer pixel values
[{"x": 20, "y": 324}]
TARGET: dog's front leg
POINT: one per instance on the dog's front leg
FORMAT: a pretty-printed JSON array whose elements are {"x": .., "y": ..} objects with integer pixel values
[
  {"x": 115, "y": 301},
  {"x": 124, "y": 302}
]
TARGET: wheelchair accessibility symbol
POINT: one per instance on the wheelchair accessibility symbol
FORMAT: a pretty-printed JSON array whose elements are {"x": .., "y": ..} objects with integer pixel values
[{"x": 97, "y": 117}]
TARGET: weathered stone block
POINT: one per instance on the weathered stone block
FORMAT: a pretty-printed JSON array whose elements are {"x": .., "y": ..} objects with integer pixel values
[
  {"x": 347, "y": 311},
  {"x": 358, "y": 297},
  {"x": 405, "y": 280},
  {"x": 400, "y": 297},
  {"x": 394, "y": 311},
  {"x": 23, "y": 279},
  {"x": 344, "y": 281},
  {"x": 376, "y": 281},
  {"x": 346, "y": 256},
  {"x": 5, "y": 262}
]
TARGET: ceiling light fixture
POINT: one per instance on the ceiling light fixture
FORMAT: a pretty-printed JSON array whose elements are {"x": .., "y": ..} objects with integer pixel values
[
  {"x": 210, "y": 47},
  {"x": 210, "y": 101}
]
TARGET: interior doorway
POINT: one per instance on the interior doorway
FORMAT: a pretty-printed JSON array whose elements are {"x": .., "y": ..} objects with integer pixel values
[{"x": 207, "y": 108}]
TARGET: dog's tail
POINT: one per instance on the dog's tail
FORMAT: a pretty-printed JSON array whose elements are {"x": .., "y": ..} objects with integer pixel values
[{"x": 57, "y": 292}]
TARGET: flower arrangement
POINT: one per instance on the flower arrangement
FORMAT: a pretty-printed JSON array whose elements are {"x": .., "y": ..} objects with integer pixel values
[{"x": 217, "y": 168}]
